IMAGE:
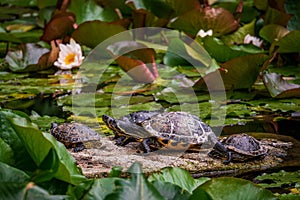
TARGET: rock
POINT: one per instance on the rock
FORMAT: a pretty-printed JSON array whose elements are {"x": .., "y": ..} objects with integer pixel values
[{"x": 282, "y": 151}]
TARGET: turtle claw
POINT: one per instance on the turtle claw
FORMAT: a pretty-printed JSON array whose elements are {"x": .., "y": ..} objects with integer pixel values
[
  {"x": 229, "y": 157},
  {"x": 146, "y": 146}
]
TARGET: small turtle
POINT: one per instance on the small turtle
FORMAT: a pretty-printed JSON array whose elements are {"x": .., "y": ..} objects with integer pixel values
[
  {"x": 240, "y": 148},
  {"x": 162, "y": 129},
  {"x": 75, "y": 135}
]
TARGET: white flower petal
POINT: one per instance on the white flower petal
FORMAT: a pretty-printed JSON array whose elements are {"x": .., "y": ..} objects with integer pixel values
[
  {"x": 70, "y": 55},
  {"x": 203, "y": 34}
]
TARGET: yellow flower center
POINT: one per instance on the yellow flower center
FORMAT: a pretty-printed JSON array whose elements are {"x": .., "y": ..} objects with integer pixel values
[{"x": 70, "y": 58}]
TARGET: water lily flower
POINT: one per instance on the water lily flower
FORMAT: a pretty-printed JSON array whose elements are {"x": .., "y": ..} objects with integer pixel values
[
  {"x": 252, "y": 39},
  {"x": 203, "y": 34},
  {"x": 70, "y": 55}
]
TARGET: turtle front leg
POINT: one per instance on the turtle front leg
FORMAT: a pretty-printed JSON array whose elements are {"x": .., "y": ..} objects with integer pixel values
[
  {"x": 145, "y": 145},
  {"x": 122, "y": 140},
  {"x": 79, "y": 147},
  {"x": 219, "y": 147}
]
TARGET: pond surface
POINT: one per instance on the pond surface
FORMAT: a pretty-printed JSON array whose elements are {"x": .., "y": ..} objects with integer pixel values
[{"x": 66, "y": 96}]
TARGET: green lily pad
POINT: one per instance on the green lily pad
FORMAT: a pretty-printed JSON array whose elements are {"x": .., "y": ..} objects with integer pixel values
[
  {"x": 237, "y": 37},
  {"x": 97, "y": 31},
  {"x": 237, "y": 73},
  {"x": 222, "y": 53},
  {"x": 180, "y": 53},
  {"x": 287, "y": 43},
  {"x": 273, "y": 32},
  {"x": 279, "y": 179},
  {"x": 90, "y": 10},
  {"x": 234, "y": 188}
]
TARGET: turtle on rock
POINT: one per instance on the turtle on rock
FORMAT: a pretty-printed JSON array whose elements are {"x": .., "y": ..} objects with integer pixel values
[
  {"x": 240, "y": 148},
  {"x": 75, "y": 135},
  {"x": 158, "y": 129}
]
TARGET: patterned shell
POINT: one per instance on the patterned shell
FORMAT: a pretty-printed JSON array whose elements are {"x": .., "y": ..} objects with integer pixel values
[
  {"x": 244, "y": 144},
  {"x": 242, "y": 147},
  {"x": 72, "y": 133},
  {"x": 179, "y": 126}
]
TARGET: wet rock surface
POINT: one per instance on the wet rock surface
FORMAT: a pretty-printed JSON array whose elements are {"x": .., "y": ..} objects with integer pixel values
[{"x": 283, "y": 151}]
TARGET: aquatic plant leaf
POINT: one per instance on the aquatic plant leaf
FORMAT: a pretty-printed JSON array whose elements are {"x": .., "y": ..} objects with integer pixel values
[
  {"x": 8, "y": 37},
  {"x": 97, "y": 32},
  {"x": 137, "y": 187},
  {"x": 15, "y": 148},
  {"x": 6, "y": 153},
  {"x": 50, "y": 156},
  {"x": 164, "y": 9},
  {"x": 287, "y": 43},
  {"x": 237, "y": 37},
  {"x": 171, "y": 191},
  {"x": 181, "y": 53},
  {"x": 222, "y": 53},
  {"x": 237, "y": 73},
  {"x": 27, "y": 59},
  {"x": 60, "y": 25},
  {"x": 274, "y": 16},
  {"x": 95, "y": 189},
  {"x": 234, "y": 188},
  {"x": 136, "y": 59},
  {"x": 12, "y": 182},
  {"x": 219, "y": 20},
  {"x": 292, "y": 8},
  {"x": 90, "y": 10},
  {"x": 280, "y": 88},
  {"x": 273, "y": 32},
  {"x": 177, "y": 176},
  {"x": 279, "y": 179},
  {"x": 158, "y": 7}
]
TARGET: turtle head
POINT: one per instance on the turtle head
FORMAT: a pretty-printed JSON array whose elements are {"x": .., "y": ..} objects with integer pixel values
[
  {"x": 113, "y": 125},
  {"x": 110, "y": 122},
  {"x": 53, "y": 125}
]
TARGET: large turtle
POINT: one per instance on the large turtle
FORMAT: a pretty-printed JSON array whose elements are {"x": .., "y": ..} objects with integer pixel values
[
  {"x": 240, "y": 148},
  {"x": 75, "y": 135},
  {"x": 175, "y": 130}
]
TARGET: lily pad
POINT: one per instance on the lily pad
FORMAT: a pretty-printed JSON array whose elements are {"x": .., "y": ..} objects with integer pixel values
[
  {"x": 136, "y": 59},
  {"x": 287, "y": 43},
  {"x": 27, "y": 59},
  {"x": 280, "y": 88},
  {"x": 219, "y": 20},
  {"x": 90, "y": 10},
  {"x": 273, "y": 32},
  {"x": 181, "y": 53},
  {"x": 279, "y": 179},
  {"x": 237, "y": 73},
  {"x": 234, "y": 188},
  {"x": 97, "y": 32}
]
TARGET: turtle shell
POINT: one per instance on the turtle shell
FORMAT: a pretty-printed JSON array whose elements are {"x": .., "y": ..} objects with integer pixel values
[
  {"x": 178, "y": 126},
  {"x": 242, "y": 147},
  {"x": 160, "y": 129},
  {"x": 75, "y": 135}
]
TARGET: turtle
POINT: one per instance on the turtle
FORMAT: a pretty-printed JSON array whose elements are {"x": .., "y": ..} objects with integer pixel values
[
  {"x": 75, "y": 135},
  {"x": 240, "y": 148},
  {"x": 158, "y": 129}
]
